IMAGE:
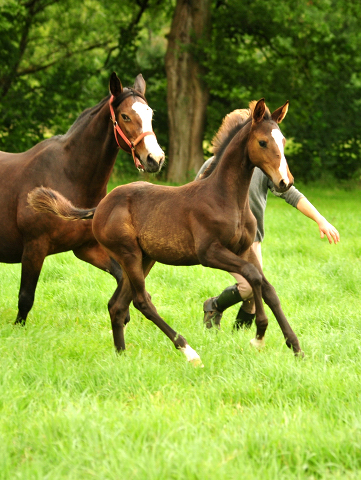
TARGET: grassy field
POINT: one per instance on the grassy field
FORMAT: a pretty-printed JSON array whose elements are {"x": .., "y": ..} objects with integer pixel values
[{"x": 71, "y": 408}]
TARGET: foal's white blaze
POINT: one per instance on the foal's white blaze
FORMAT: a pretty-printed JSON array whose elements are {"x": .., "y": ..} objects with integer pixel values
[
  {"x": 277, "y": 135},
  {"x": 191, "y": 355},
  {"x": 150, "y": 141}
]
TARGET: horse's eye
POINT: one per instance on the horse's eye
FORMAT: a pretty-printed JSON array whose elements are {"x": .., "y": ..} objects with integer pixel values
[
  {"x": 125, "y": 117},
  {"x": 262, "y": 143}
]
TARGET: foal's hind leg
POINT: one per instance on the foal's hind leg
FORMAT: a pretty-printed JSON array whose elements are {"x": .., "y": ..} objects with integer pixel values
[
  {"x": 272, "y": 300},
  {"x": 118, "y": 307},
  {"x": 31, "y": 264},
  {"x": 95, "y": 254},
  {"x": 136, "y": 269}
]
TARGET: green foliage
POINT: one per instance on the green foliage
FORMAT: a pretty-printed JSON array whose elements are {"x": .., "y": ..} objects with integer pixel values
[
  {"x": 71, "y": 409},
  {"x": 306, "y": 52},
  {"x": 56, "y": 58}
]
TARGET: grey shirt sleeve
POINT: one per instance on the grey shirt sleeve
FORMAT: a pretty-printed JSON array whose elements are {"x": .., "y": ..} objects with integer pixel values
[{"x": 292, "y": 196}]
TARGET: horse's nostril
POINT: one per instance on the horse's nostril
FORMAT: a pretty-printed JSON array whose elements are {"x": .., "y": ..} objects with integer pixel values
[
  {"x": 150, "y": 159},
  {"x": 283, "y": 184},
  {"x": 152, "y": 164}
]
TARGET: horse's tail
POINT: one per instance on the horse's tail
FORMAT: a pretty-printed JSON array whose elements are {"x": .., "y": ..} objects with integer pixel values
[{"x": 46, "y": 200}]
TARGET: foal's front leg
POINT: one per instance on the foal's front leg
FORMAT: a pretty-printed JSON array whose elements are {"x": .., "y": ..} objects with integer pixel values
[{"x": 271, "y": 298}]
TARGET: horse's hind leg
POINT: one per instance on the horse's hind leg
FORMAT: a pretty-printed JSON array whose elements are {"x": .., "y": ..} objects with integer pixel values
[
  {"x": 271, "y": 298},
  {"x": 136, "y": 269},
  {"x": 118, "y": 307},
  {"x": 94, "y": 254},
  {"x": 31, "y": 264}
]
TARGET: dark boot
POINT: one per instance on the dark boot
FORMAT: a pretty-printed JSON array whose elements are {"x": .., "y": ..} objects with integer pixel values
[
  {"x": 243, "y": 319},
  {"x": 214, "y": 307}
]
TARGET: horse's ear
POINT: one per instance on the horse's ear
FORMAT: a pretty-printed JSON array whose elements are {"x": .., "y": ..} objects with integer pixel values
[
  {"x": 279, "y": 114},
  {"x": 139, "y": 84},
  {"x": 259, "y": 111},
  {"x": 115, "y": 85}
]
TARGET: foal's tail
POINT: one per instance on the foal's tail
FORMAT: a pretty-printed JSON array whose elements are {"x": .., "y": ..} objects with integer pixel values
[{"x": 46, "y": 200}]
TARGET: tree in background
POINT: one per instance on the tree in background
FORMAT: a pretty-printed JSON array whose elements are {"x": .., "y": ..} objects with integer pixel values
[
  {"x": 187, "y": 92},
  {"x": 304, "y": 51}
]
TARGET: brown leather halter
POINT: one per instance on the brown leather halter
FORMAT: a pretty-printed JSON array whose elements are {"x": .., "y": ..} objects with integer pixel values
[{"x": 118, "y": 130}]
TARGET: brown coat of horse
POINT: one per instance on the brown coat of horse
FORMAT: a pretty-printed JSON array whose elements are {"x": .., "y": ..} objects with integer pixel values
[
  {"x": 206, "y": 222},
  {"x": 78, "y": 164}
]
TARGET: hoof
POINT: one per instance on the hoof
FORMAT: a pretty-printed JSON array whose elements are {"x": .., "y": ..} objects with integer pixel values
[
  {"x": 257, "y": 343},
  {"x": 192, "y": 356},
  {"x": 20, "y": 322},
  {"x": 196, "y": 362},
  {"x": 300, "y": 354}
]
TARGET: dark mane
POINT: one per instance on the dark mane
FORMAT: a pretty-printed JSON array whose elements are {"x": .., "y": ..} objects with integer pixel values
[
  {"x": 231, "y": 124},
  {"x": 89, "y": 112}
]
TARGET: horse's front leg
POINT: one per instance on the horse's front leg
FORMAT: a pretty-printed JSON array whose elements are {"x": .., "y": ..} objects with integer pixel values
[
  {"x": 31, "y": 264},
  {"x": 271, "y": 298},
  {"x": 217, "y": 256}
]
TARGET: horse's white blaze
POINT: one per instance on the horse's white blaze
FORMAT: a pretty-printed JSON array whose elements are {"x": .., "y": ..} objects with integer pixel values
[
  {"x": 150, "y": 141},
  {"x": 278, "y": 137},
  {"x": 258, "y": 343},
  {"x": 191, "y": 355}
]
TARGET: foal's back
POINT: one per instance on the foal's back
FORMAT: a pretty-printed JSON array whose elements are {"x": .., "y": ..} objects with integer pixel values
[
  {"x": 156, "y": 217},
  {"x": 166, "y": 223}
]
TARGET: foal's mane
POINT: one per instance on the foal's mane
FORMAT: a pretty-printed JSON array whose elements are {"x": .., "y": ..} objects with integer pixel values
[{"x": 231, "y": 124}]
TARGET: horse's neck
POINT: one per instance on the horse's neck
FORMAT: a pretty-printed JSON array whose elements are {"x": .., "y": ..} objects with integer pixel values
[
  {"x": 234, "y": 173},
  {"x": 91, "y": 150}
]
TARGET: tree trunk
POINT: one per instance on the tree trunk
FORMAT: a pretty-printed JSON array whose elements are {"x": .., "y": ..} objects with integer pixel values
[{"x": 187, "y": 95}]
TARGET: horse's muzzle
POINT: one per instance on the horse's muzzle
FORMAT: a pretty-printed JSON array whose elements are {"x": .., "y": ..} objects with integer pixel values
[
  {"x": 283, "y": 186},
  {"x": 154, "y": 163}
]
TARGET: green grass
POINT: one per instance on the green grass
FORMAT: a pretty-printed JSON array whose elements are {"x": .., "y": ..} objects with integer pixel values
[{"x": 71, "y": 408}]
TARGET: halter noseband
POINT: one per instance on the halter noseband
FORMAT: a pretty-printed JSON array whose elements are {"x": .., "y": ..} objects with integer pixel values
[{"x": 119, "y": 99}]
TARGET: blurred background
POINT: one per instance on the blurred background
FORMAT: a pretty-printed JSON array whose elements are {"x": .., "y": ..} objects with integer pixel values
[{"x": 201, "y": 59}]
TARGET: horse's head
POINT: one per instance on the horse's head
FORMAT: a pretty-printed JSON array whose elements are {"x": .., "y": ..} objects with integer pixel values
[
  {"x": 266, "y": 145},
  {"x": 132, "y": 119}
]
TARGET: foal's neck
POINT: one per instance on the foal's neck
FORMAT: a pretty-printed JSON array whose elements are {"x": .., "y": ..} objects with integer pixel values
[{"x": 234, "y": 172}]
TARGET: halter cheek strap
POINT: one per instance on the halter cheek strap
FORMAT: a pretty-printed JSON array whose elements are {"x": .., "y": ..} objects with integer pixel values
[{"x": 118, "y": 131}]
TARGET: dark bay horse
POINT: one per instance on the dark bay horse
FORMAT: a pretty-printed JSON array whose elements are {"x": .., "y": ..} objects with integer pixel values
[
  {"x": 78, "y": 164},
  {"x": 206, "y": 222}
]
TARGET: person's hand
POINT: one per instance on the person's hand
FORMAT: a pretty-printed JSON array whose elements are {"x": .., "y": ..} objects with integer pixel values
[{"x": 329, "y": 230}]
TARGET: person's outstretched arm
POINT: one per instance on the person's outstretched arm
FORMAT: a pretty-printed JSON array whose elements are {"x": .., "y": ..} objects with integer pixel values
[{"x": 305, "y": 207}]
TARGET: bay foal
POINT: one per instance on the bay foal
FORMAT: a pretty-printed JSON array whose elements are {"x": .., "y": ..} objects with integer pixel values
[{"x": 206, "y": 222}]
